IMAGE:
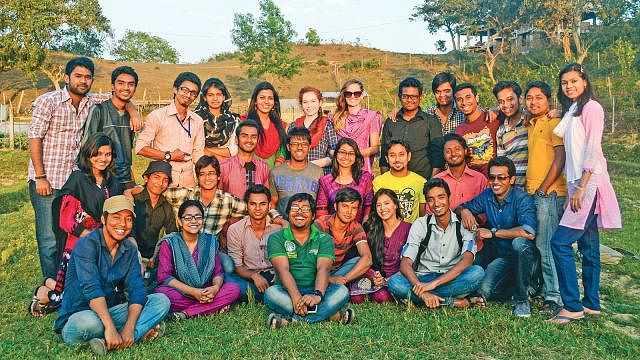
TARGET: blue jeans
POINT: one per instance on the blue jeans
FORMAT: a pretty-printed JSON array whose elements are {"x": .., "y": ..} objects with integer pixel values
[
  {"x": 278, "y": 300},
  {"x": 44, "y": 230},
  {"x": 244, "y": 285},
  {"x": 86, "y": 325},
  {"x": 509, "y": 275},
  {"x": 346, "y": 267},
  {"x": 466, "y": 283},
  {"x": 549, "y": 210},
  {"x": 589, "y": 245}
]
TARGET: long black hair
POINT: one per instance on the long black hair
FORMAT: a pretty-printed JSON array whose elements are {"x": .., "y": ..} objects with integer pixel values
[
  {"x": 274, "y": 115},
  {"x": 375, "y": 229},
  {"x": 356, "y": 168},
  {"x": 586, "y": 95},
  {"x": 203, "y": 108},
  {"x": 90, "y": 149}
]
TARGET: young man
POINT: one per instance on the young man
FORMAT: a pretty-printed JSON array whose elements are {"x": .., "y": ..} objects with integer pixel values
[
  {"x": 512, "y": 135},
  {"x": 297, "y": 174},
  {"x": 103, "y": 266},
  {"x": 437, "y": 261},
  {"x": 55, "y": 133},
  {"x": 413, "y": 126},
  {"x": 174, "y": 133},
  {"x": 509, "y": 253},
  {"x": 247, "y": 242},
  {"x": 546, "y": 183},
  {"x": 346, "y": 233},
  {"x": 302, "y": 257},
  {"x": 479, "y": 133},
  {"x": 243, "y": 170},
  {"x": 464, "y": 182},
  {"x": 406, "y": 184},
  {"x": 111, "y": 118},
  {"x": 445, "y": 107}
]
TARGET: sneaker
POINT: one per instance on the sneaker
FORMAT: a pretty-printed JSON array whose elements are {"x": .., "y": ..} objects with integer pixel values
[
  {"x": 98, "y": 346},
  {"x": 550, "y": 308},
  {"x": 522, "y": 309}
]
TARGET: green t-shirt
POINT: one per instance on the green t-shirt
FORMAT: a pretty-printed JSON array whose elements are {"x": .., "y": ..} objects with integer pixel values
[
  {"x": 408, "y": 189},
  {"x": 302, "y": 257}
]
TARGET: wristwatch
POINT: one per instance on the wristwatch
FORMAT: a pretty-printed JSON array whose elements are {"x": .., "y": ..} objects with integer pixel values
[
  {"x": 167, "y": 155},
  {"x": 541, "y": 193},
  {"x": 493, "y": 232},
  {"x": 319, "y": 293}
]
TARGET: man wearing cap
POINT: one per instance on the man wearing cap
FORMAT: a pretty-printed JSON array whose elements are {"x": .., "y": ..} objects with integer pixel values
[
  {"x": 153, "y": 211},
  {"x": 102, "y": 267}
]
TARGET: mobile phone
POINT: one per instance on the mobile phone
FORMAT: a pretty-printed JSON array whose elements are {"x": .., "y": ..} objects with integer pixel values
[{"x": 312, "y": 309}]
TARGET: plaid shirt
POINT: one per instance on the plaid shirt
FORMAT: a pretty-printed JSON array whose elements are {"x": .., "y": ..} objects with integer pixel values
[
  {"x": 328, "y": 142},
  {"x": 61, "y": 128},
  {"x": 456, "y": 117}
]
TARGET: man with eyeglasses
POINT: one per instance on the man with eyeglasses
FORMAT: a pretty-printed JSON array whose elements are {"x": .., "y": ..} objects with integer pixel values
[
  {"x": 297, "y": 174},
  {"x": 509, "y": 253},
  {"x": 414, "y": 127},
  {"x": 174, "y": 133}
]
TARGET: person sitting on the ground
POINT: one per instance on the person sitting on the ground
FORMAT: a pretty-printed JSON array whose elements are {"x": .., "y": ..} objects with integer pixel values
[
  {"x": 387, "y": 235},
  {"x": 190, "y": 268},
  {"x": 509, "y": 252},
  {"x": 77, "y": 211},
  {"x": 352, "y": 253},
  {"x": 103, "y": 267},
  {"x": 302, "y": 257},
  {"x": 437, "y": 262},
  {"x": 247, "y": 242}
]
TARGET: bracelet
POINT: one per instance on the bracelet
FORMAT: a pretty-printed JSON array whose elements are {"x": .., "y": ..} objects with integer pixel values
[{"x": 38, "y": 177}]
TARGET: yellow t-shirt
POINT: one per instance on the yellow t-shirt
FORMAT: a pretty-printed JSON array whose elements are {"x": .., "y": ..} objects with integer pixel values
[
  {"x": 408, "y": 189},
  {"x": 542, "y": 142}
]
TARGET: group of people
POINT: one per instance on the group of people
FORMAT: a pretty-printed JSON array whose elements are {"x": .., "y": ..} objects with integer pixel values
[{"x": 469, "y": 205}]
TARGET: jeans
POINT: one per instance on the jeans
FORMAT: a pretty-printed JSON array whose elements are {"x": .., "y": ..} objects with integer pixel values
[
  {"x": 346, "y": 267},
  {"x": 589, "y": 245},
  {"x": 549, "y": 210},
  {"x": 466, "y": 283},
  {"x": 44, "y": 230},
  {"x": 244, "y": 285},
  {"x": 86, "y": 325},
  {"x": 278, "y": 300},
  {"x": 507, "y": 275}
]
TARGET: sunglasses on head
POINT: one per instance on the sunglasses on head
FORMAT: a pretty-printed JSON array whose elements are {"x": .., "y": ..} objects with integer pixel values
[{"x": 355, "y": 94}]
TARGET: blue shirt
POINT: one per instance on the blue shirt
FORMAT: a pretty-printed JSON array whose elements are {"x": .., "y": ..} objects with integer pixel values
[
  {"x": 517, "y": 209},
  {"x": 91, "y": 274}
]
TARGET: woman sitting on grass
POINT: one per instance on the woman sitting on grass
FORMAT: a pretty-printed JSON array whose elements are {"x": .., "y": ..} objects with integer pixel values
[
  {"x": 77, "y": 211},
  {"x": 190, "y": 269}
]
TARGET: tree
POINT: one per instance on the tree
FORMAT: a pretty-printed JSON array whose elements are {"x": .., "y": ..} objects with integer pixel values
[
  {"x": 441, "y": 45},
  {"x": 265, "y": 44},
  {"x": 85, "y": 43},
  {"x": 28, "y": 29},
  {"x": 138, "y": 46},
  {"x": 312, "y": 37},
  {"x": 443, "y": 14}
]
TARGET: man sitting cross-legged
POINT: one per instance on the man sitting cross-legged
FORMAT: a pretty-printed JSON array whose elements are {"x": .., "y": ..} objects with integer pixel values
[{"x": 437, "y": 261}]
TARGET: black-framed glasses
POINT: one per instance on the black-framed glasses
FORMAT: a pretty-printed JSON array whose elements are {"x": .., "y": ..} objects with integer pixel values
[
  {"x": 186, "y": 91},
  {"x": 303, "y": 145},
  {"x": 355, "y": 94},
  {"x": 410, "y": 97},
  {"x": 346, "y": 153},
  {"x": 190, "y": 218},
  {"x": 304, "y": 209}
]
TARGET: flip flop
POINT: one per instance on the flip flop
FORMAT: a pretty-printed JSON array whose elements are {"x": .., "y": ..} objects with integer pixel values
[
  {"x": 347, "y": 316},
  {"x": 563, "y": 319},
  {"x": 275, "y": 321},
  {"x": 477, "y": 301},
  {"x": 35, "y": 307},
  {"x": 588, "y": 311}
]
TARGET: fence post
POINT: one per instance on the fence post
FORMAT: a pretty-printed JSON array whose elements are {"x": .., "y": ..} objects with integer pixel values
[
  {"x": 613, "y": 118},
  {"x": 11, "y": 132},
  {"x": 20, "y": 103}
]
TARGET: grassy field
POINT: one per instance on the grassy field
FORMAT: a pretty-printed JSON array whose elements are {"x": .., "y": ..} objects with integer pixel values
[{"x": 380, "y": 331}]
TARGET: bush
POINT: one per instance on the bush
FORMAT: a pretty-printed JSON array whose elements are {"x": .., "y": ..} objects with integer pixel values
[
  {"x": 356, "y": 64},
  {"x": 322, "y": 62},
  {"x": 20, "y": 141}
]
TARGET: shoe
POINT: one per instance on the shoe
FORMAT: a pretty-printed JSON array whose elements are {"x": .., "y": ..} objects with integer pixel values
[
  {"x": 522, "y": 309},
  {"x": 98, "y": 346},
  {"x": 177, "y": 316},
  {"x": 550, "y": 308}
]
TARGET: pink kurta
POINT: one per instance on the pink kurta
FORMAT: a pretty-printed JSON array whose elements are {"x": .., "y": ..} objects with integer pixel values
[{"x": 359, "y": 127}]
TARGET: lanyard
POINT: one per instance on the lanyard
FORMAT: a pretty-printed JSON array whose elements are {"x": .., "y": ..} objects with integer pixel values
[{"x": 184, "y": 128}]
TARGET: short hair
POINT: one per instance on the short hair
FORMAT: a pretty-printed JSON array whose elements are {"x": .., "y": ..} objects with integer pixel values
[
  {"x": 441, "y": 78},
  {"x": 249, "y": 122},
  {"x": 456, "y": 137},
  {"x": 507, "y": 84},
  {"x": 189, "y": 203},
  {"x": 434, "y": 183},
  {"x": 543, "y": 86},
  {"x": 348, "y": 194},
  {"x": 399, "y": 142},
  {"x": 124, "y": 70},
  {"x": 83, "y": 61},
  {"x": 410, "y": 82},
  {"x": 206, "y": 160},
  {"x": 187, "y": 76},
  {"x": 466, "y": 85},
  {"x": 503, "y": 161},
  {"x": 257, "y": 189},
  {"x": 299, "y": 131},
  {"x": 302, "y": 197}
]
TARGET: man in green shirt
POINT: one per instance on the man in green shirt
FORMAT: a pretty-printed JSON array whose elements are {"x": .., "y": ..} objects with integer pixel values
[{"x": 302, "y": 256}]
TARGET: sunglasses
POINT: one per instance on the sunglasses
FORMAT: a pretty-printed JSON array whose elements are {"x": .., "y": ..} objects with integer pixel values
[
  {"x": 493, "y": 177},
  {"x": 355, "y": 94}
]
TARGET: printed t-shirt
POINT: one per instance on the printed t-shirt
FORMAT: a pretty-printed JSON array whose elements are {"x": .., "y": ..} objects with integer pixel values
[
  {"x": 481, "y": 139},
  {"x": 408, "y": 189}
]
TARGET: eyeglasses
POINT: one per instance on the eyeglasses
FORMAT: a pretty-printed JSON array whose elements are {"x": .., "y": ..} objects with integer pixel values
[
  {"x": 355, "y": 94},
  {"x": 346, "y": 153},
  {"x": 409, "y": 97},
  {"x": 299, "y": 145},
  {"x": 186, "y": 91},
  {"x": 304, "y": 209},
  {"x": 208, "y": 174},
  {"x": 500, "y": 177},
  {"x": 196, "y": 218}
]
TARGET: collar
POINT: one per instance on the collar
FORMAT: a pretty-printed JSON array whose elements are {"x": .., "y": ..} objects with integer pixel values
[
  {"x": 420, "y": 115},
  {"x": 144, "y": 196},
  {"x": 288, "y": 235},
  {"x": 467, "y": 171},
  {"x": 453, "y": 218},
  {"x": 122, "y": 247},
  {"x": 172, "y": 110},
  {"x": 247, "y": 222},
  {"x": 507, "y": 199}
]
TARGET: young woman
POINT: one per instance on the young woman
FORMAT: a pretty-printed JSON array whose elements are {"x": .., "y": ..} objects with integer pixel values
[
  {"x": 592, "y": 200},
  {"x": 323, "y": 135},
  {"x": 264, "y": 108},
  {"x": 352, "y": 121},
  {"x": 346, "y": 171},
  {"x": 387, "y": 235},
  {"x": 219, "y": 122},
  {"x": 190, "y": 270},
  {"x": 77, "y": 211}
]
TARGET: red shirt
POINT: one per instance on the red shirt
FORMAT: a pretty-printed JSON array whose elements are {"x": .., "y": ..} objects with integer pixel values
[
  {"x": 354, "y": 234},
  {"x": 481, "y": 138}
]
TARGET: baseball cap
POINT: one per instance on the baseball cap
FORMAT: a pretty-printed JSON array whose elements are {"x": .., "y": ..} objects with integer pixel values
[{"x": 118, "y": 203}]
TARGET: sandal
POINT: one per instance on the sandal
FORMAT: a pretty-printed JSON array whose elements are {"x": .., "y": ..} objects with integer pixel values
[
  {"x": 155, "y": 332},
  {"x": 347, "y": 315},
  {"x": 224, "y": 309},
  {"x": 477, "y": 301},
  {"x": 35, "y": 307},
  {"x": 563, "y": 319},
  {"x": 275, "y": 321}
]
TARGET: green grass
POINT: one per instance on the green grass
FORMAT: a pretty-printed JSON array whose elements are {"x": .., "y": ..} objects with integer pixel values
[{"x": 380, "y": 331}]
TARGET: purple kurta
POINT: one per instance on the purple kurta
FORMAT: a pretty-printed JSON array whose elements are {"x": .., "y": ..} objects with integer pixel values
[{"x": 328, "y": 189}]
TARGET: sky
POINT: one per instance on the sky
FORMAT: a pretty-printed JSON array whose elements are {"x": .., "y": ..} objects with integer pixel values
[{"x": 198, "y": 29}]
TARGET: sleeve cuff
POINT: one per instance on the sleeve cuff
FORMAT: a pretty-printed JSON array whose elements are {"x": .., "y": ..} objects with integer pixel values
[{"x": 529, "y": 229}]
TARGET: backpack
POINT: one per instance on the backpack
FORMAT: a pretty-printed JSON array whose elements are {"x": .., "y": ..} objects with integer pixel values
[{"x": 425, "y": 242}]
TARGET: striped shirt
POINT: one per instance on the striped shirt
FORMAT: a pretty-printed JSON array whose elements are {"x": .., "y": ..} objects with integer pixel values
[{"x": 514, "y": 144}]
